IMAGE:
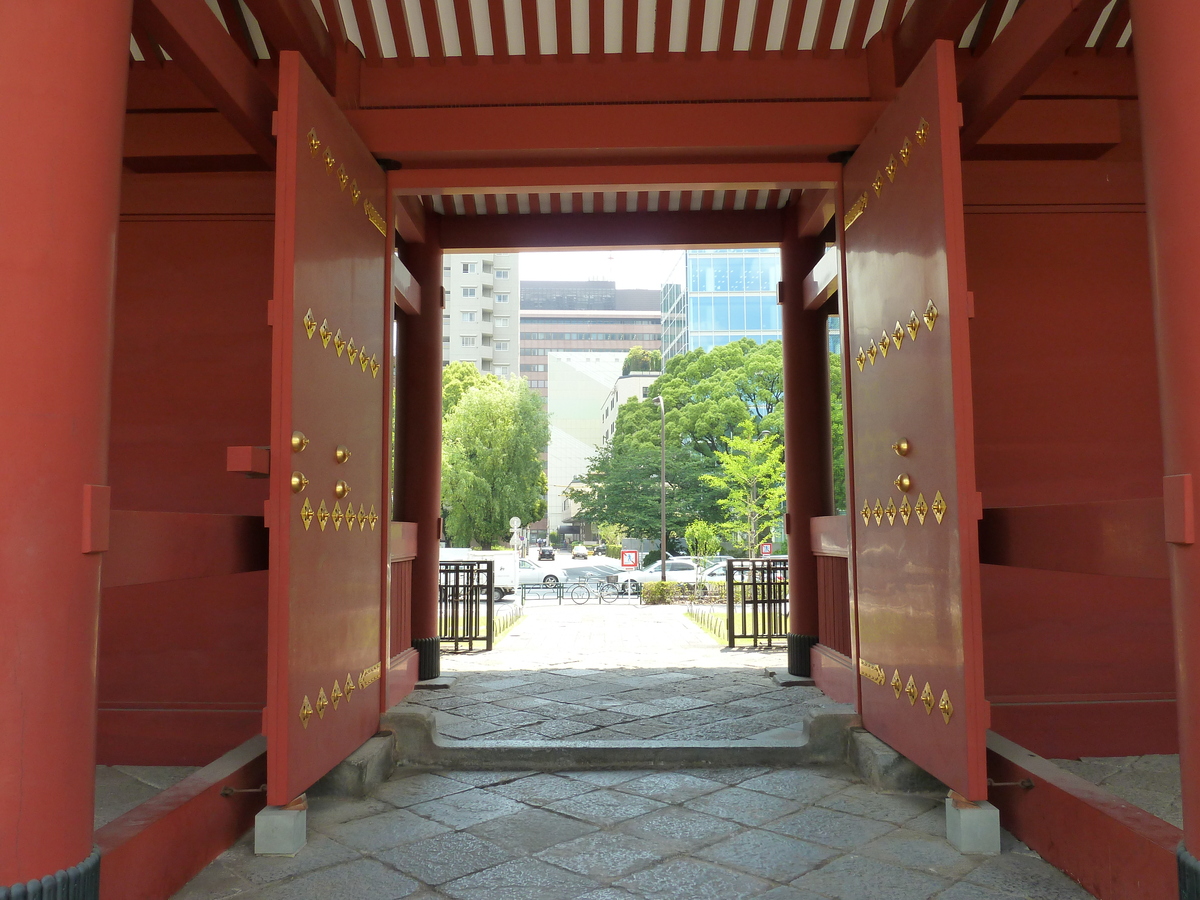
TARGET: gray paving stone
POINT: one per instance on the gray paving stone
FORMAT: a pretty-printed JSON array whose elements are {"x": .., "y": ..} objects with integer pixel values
[
  {"x": 326, "y": 812},
  {"x": 511, "y": 718},
  {"x": 445, "y": 858},
  {"x": 643, "y": 729},
  {"x": 831, "y": 828},
  {"x": 522, "y": 879},
  {"x": 735, "y": 775},
  {"x": 857, "y": 878},
  {"x": 741, "y": 805},
  {"x": 215, "y": 882},
  {"x": 557, "y": 728},
  {"x": 605, "y": 777},
  {"x": 671, "y": 787},
  {"x": 406, "y": 789},
  {"x": 531, "y": 830},
  {"x": 483, "y": 778},
  {"x": 603, "y": 855},
  {"x": 803, "y": 785},
  {"x": 787, "y": 892},
  {"x": 468, "y": 808},
  {"x": 862, "y": 801},
  {"x": 680, "y": 828},
  {"x": 601, "y": 717},
  {"x": 692, "y": 879},
  {"x": 966, "y": 890},
  {"x": 462, "y": 728},
  {"x": 1020, "y": 875},
  {"x": 319, "y": 852},
  {"x": 542, "y": 789},
  {"x": 609, "y": 893},
  {"x": 915, "y": 850},
  {"x": 385, "y": 830},
  {"x": 767, "y": 854},
  {"x": 605, "y": 807},
  {"x": 362, "y": 879}
]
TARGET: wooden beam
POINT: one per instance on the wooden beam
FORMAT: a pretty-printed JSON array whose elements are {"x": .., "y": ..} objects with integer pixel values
[
  {"x": 1040, "y": 32},
  {"x": 817, "y": 206},
  {"x": 664, "y": 131},
  {"x": 665, "y": 230},
  {"x": 489, "y": 81},
  {"x": 295, "y": 25},
  {"x": 926, "y": 22},
  {"x": 193, "y": 37},
  {"x": 591, "y": 179},
  {"x": 409, "y": 216}
]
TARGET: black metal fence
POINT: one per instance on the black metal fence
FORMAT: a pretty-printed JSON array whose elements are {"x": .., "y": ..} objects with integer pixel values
[
  {"x": 466, "y": 604},
  {"x": 756, "y": 593}
]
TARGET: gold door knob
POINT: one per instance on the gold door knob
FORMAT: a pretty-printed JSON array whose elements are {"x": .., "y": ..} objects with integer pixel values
[
  {"x": 341, "y": 489},
  {"x": 342, "y": 454},
  {"x": 299, "y": 441},
  {"x": 299, "y": 482},
  {"x": 901, "y": 447},
  {"x": 903, "y": 483}
]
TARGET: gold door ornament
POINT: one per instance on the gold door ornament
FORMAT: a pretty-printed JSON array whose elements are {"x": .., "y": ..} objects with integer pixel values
[
  {"x": 910, "y": 690},
  {"x": 306, "y": 712},
  {"x": 946, "y": 707},
  {"x": 927, "y": 698},
  {"x": 897, "y": 684}
]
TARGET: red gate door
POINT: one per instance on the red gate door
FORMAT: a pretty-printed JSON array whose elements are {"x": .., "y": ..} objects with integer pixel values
[
  {"x": 327, "y": 512},
  {"x": 913, "y": 492}
]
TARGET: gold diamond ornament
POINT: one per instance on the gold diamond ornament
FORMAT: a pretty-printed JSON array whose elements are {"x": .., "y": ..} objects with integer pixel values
[
  {"x": 905, "y": 510},
  {"x": 310, "y": 323},
  {"x": 350, "y": 688},
  {"x": 861, "y": 359},
  {"x": 329, "y": 160},
  {"x": 914, "y": 325},
  {"x": 911, "y": 690},
  {"x": 898, "y": 335},
  {"x": 890, "y": 168},
  {"x": 306, "y": 514},
  {"x": 939, "y": 507},
  {"x": 325, "y": 333},
  {"x": 306, "y": 712},
  {"x": 351, "y": 351},
  {"x": 897, "y": 684},
  {"x": 338, "y": 343},
  {"x": 878, "y": 512},
  {"x": 872, "y": 352},
  {"x": 890, "y": 510},
  {"x": 362, "y": 517},
  {"x": 313, "y": 143},
  {"x": 885, "y": 344},
  {"x": 322, "y": 515},
  {"x": 337, "y": 516},
  {"x": 931, "y": 315},
  {"x": 946, "y": 707},
  {"x": 926, "y": 698},
  {"x": 372, "y": 517},
  {"x": 878, "y": 184},
  {"x": 922, "y": 131},
  {"x": 322, "y": 703},
  {"x": 866, "y": 512},
  {"x": 905, "y": 151},
  {"x": 921, "y": 509},
  {"x": 336, "y": 694}
]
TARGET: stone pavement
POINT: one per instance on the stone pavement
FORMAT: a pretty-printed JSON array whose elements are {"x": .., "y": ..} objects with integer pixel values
[
  {"x": 1149, "y": 782},
  {"x": 618, "y": 673},
  {"x": 704, "y": 834},
  {"x": 637, "y": 674}
]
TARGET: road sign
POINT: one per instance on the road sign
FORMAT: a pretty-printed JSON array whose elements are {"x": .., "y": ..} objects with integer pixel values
[
  {"x": 629, "y": 559},
  {"x": 766, "y": 549}
]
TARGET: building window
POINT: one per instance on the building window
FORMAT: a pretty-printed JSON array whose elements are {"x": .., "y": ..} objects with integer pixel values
[
  {"x": 468, "y": 268},
  {"x": 487, "y": 267},
  {"x": 468, "y": 340},
  {"x": 502, "y": 273},
  {"x": 537, "y": 384},
  {"x": 487, "y": 290},
  {"x": 468, "y": 292},
  {"x": 445, "y": 338},
  {"x": 645, "y": 392},
  {"x": 469, "y": 316},
  {"x": 445, "y": 270},
  {"x": 501, "y": 345},
  {"x": 533, "y": 367},
  {"x": 502, "y": 298},
  {"x": 501, "y": 321},
  {"x": 501, "y": 370}
]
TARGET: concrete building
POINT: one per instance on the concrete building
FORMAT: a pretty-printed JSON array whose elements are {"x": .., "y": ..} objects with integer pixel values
[
  {"x": 637, "y": 385},
  {"x": 580, "y": 386},
  {"x": 583, "y": 316},
  {"x": 479, "y": 323}
]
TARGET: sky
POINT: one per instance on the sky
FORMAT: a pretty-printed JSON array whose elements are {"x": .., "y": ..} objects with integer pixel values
[{"x": 628, "y": 268}]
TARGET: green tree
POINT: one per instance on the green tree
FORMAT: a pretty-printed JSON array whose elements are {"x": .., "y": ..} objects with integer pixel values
[
  {"x": 458, "y": 378},
  {"x": 491, "y": 438},
  {"x": 639, "y": 359},
  {"x": 838, "y": 429},
  {"x": 703, "y": 538},
  {"x": 752, "y": 478}
]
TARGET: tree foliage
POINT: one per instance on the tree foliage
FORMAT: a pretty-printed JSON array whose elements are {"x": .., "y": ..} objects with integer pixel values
[
  {"x": 492, "y": 433},
  {"x": 838, "y": 429},
  {"x": 703, "y": 538},
  {"x": 751, "y": 477},
  {"x": 639, "y": 359}
]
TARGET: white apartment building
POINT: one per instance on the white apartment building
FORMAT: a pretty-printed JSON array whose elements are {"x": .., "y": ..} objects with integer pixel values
[
  {"x": 481, "y": 322},
  {"x": 636, "y": 384}
]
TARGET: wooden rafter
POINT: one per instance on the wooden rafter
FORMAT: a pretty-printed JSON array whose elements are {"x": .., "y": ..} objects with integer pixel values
[
  {"x": 239, "y": 28},
  {"x": 400, "y": 35},
  {"x": 367, "y": 31},
  {"x": 295, "y": 25},
  {"x": 194, "y": 38},
  {"x": 926, "y": 22},
  {"x": 1041, "y": 31}
]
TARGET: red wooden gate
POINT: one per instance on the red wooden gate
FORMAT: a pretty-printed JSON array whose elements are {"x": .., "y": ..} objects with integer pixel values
[
  {"x": 327, "y": 512},
  {"x": 913, "y": 492}
]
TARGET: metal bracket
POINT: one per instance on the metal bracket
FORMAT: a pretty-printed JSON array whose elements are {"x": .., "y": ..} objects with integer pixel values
[
  {"x": 230, "y": 791},
  {"x": 1026, "y": 783}
]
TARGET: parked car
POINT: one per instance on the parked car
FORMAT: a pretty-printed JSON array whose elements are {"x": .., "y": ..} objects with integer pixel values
[
  {"x": 546, "y": 553},
  {"x": 579, "y": 552},
  {"x": 679, "y": 568},
  {"x": 536, "y": 573}
]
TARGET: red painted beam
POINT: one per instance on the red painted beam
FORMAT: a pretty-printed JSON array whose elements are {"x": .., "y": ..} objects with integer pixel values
[
  {"x": 1114, "y": 849},
  {"x": 636, "y": 177},
  {"x": 1039, "y": 33},
  {"x": 295, "y": 25},
  {"x": 194, "y": 38},
  {"x": 409, "y": 217},
  {"x": 783, "y": 130},
  {"x": 156, "y": 848},
  {"x": 753, "y": 228},
  {"x": 926, "y": 22},
  {"x": 489, "y": 81}
]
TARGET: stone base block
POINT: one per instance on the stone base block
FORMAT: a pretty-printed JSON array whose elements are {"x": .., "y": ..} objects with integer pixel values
[
  {"x": 886, "y": 770},
  {"x": 280, "y": 830},
  {"x": 972, "y": 827},
  {"x": 362, "y": 771}
]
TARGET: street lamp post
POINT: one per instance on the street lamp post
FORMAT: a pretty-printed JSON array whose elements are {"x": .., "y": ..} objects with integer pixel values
[{"x": 662, "y": 487}]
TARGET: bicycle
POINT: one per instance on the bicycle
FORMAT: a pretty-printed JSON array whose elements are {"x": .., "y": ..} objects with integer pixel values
[{"x": 602, "y": 590}]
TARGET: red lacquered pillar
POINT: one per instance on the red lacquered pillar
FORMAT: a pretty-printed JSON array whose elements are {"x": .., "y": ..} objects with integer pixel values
[
  {"x": 806, "y": 439},
  {"x": 63, "y": 70},
  {"x": 1168, "y": 73},
  {"x": 421, "y": 383}
]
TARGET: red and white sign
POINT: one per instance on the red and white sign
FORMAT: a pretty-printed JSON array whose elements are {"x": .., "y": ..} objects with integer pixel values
[
  {"x": 629, "y": 559},
  {"x": 765, "y": 549}
]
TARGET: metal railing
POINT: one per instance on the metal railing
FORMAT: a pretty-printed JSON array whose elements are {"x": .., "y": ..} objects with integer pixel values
[
  {"x": 466, "y": 604},
  {"x": 756, "y": 592}
]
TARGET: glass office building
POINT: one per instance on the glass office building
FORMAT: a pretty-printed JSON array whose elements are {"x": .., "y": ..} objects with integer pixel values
[{"x": 727, "y": 295}]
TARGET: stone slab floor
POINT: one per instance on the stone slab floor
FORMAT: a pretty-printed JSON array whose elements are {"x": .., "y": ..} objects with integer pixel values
[{"x": 701, "y": 834}]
